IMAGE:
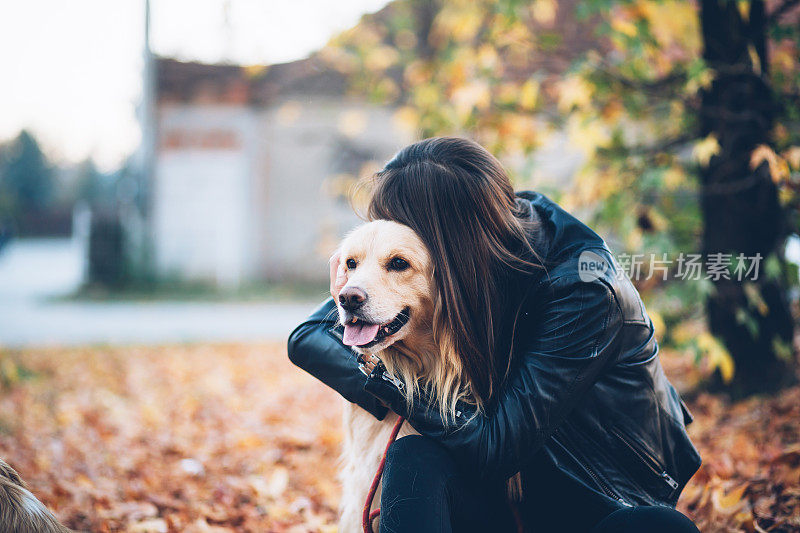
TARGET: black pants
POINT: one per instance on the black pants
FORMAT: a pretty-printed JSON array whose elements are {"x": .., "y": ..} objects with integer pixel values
[{"x": 424, "y": 492}]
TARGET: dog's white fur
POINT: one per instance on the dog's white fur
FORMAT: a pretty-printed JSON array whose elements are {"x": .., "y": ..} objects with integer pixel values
[
  {"x": 364, "y": 442},
  {"x": 372, "y": 245},
  {"x": 419, "y": 354}
]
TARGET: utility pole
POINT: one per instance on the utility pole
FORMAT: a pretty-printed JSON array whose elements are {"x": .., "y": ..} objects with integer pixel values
[
  {"x": 147, "y": 120},
  {"x": 138, "y": 216},
  {"x": 227, "y": 29}
]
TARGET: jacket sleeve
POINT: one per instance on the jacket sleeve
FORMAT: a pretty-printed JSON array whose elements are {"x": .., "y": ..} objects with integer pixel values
[
  {"x": 316, "y": 347},
  {"x": 575, "y": 333}
]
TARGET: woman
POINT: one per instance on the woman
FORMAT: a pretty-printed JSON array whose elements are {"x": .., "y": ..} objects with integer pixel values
[{"x": 564, "y": 356}]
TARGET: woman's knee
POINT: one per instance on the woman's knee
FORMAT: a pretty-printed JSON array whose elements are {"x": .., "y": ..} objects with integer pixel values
[
  {"x": 415, "y": 486},
  {"x": 418, "y": 456},
  {"x": 650, "y": 519}
]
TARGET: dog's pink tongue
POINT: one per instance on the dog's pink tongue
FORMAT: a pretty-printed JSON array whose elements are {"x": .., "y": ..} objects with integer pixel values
[{"x": 359, "y": 334}]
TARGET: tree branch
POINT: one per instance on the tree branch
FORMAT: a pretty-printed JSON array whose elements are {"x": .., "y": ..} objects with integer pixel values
[
  {"x": 648, "y": 149},
  {"x": 647, "y": 85}
]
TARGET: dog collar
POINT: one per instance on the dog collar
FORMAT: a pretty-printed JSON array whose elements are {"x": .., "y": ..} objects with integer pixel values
[
  {"x": 369, "y": 364},
  {"x": 372, "y": 367}
]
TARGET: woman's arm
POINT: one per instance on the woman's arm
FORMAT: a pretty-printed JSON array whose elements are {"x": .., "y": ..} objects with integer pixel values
[
  {"x": 576, "y": 334},
  {"x": 315, "y": 347}
]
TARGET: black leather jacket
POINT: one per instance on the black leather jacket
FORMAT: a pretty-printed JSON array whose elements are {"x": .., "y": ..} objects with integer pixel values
[{"x": 586, "y": 397}]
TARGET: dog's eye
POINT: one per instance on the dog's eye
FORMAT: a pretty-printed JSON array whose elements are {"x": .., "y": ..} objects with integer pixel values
[
  {"x": 398, "y": 263},
  {"x": 351, "y": 263}
]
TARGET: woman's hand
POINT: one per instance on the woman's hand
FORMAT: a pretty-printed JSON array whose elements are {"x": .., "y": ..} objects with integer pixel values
[{"x": 338, "y": 275}]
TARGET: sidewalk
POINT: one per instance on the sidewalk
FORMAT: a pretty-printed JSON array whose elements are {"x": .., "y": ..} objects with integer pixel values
[{"x": 33, "y": 272}]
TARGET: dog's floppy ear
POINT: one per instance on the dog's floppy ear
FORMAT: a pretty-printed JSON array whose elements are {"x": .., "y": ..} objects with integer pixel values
[{"x": 20, "y": 511}]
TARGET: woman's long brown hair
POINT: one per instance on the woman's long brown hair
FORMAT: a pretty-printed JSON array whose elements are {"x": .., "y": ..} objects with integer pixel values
[{"x": 460, "y": 201}]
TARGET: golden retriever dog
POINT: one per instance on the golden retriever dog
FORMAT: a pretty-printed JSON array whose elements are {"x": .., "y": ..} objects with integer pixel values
[
  {"x": 20, "y": 511},
  {"x": 387, "y": 308}
]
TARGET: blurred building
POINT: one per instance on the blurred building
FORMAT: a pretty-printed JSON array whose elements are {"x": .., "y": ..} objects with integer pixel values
[{"x": 252, "y": 167}]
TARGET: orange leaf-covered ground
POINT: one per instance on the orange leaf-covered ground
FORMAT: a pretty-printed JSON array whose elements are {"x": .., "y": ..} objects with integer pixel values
[{"x": 233, "y": 438}]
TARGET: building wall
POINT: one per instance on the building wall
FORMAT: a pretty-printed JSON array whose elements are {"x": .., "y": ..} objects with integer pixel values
[
  {"x": 203, "y": 181},
  {"x": 315, "y": 150},
  {"x": 244, "y": 194}
]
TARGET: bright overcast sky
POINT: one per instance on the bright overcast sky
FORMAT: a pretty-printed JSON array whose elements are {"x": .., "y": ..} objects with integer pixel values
[{"x": 71, "y": 69}]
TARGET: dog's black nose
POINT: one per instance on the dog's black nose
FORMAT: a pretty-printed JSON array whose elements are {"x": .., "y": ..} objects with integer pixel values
[{"x": 351, "y": 298}]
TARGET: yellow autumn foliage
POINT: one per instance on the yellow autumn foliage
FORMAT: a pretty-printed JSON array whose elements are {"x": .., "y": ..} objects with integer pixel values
[
  {"x": 459, "y": 21},
  {"x": 778, "y": 167},
  {"x": 673, "y": 23},
  {"x": 716, "y": 355},
  {"x": 792, "y": 156},
  {"x": 573, "y": 91},
  {"x": 544, "y": 11},
  {"x": 705, "y": 149},
  {"x": 529, "y": 95}
]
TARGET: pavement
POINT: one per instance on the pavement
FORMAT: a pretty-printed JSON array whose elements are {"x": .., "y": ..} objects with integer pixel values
[{"x": 35, "y": 273}]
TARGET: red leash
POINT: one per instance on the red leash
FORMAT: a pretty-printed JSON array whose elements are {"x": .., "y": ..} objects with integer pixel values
[{"x": 366, "y": 516}]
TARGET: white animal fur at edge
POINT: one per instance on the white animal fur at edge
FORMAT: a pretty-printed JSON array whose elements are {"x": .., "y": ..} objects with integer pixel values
[{"x": 20, "y": 510}]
